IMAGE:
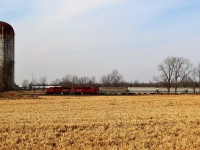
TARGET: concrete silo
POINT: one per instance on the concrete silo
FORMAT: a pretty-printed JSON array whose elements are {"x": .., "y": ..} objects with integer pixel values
[{"x": 6, "y": 57}]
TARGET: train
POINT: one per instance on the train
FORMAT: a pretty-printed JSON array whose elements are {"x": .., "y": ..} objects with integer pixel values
[
  {"x": 71, "y": 90},
  {"x": 115, "y": 90}
]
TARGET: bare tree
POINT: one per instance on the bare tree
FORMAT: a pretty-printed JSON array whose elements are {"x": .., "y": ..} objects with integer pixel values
[
  {"x": 182, "y": 68},
  {"x": 167, "y": 72},
  {"x": 105, "y": 80},
  {"x": 198, "y": 74},
  {"x": 25, "y": 84},
  {"x": 114, "y": 78},
  {"x": 74, "y": 80},
  {"x": 56, "y": 82},
  {"x": 194, "y": 78},
  {"x": 34, "y": 82},
  {"x": 69, "y": 80},
  {"x": 83, "y": 81},
  {"x": 43, "y": 81},
  {"x": 157, "y": 81},
  {"x": 92, "y": 80},
  {"x": 175, "y": 70},
  {"x": 186, "y": 69},
  {"x": 66, "y": 80},
  {"x": 87, "y": 81}
]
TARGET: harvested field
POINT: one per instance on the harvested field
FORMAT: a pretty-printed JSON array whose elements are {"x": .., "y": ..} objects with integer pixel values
[{"x": 101, "y": 122}]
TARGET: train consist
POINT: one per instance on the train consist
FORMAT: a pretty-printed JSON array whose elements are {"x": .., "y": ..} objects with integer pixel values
[
  {"x": 115, "y": 90},
  {"x": 144, "y": 90},
  {"x": 71, "y": 90}
]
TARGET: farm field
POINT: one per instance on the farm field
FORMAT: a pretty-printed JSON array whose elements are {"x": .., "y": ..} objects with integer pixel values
[{"x": 101, "y": 122}]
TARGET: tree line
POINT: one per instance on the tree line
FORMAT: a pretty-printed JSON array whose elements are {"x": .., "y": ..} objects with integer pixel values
[
  {"x": 112, "y": 79},
  {"x": 173, "y": 72},
  {"x": 178, "y": 72}
]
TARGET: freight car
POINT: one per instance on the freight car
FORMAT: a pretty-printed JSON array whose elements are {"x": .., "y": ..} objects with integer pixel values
[
  {"x": 71, "y": 90},
  {"x": 160, "y": 90},
  {"x": 112, "y": 90},
  {"x": 116, "y": 90},
  {"x": 143, "y": 90}
]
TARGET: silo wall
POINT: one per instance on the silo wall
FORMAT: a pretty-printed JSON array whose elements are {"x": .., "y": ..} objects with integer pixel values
[{"x": 6, "y": 58}]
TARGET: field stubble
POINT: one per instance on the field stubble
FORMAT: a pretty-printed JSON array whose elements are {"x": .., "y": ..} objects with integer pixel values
[{"x": 101, "y": 122}]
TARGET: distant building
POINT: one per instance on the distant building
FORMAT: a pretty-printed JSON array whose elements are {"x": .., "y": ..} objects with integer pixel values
[{"x": 7, "y": 62}]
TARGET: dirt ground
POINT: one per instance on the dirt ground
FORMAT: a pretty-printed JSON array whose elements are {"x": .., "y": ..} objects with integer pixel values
[{"x": 100, "y": 122}]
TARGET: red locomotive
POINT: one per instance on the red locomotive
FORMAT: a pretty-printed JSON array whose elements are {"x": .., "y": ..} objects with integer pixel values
[{"x": 71, "y": 90}]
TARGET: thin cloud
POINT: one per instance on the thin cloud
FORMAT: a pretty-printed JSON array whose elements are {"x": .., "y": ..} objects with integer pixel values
[{"x": 71, "y": 8}]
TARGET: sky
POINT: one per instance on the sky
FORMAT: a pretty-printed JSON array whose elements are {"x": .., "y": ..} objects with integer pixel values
[{"x": 93, "y": 37}]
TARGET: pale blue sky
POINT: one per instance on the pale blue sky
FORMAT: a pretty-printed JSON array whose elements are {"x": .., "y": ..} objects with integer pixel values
[{"x": 91, "y": 38}]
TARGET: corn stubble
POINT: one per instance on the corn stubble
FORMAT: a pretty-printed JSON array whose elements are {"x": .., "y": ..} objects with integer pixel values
[{"x": 101, "y": 122}]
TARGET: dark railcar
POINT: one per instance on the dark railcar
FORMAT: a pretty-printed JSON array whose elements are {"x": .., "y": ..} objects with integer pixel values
[
  {"x": 71, "y": 90},
  {"x": 67, "y": 90},
  {"x": 53, "y": 90}
]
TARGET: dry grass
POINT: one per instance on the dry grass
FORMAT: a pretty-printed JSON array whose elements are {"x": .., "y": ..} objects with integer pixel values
[
  {"x": 16, "y": 95},
  {"x": 115, "y": 122}
]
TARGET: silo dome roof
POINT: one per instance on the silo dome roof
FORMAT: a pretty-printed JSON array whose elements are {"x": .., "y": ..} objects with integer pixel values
[{"x": 6, "y": 28}]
